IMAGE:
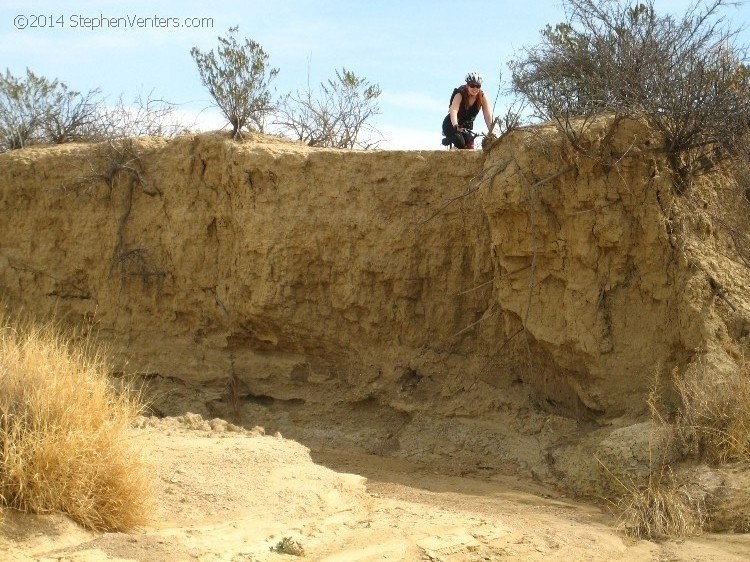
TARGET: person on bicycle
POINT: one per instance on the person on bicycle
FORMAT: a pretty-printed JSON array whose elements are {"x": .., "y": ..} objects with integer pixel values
[{"x": 466, "y": 101}]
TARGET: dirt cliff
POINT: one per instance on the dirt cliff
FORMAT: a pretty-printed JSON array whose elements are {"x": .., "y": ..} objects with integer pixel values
[{"x": 475, "y": 310}]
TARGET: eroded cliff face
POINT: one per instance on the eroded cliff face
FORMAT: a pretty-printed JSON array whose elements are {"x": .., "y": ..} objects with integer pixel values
[
  {"x": 433, "y": 305},
  {"x": 607, "y": 299}
]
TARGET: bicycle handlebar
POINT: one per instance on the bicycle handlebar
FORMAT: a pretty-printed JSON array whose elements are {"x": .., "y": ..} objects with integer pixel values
[{"x": 472, "y": 133}]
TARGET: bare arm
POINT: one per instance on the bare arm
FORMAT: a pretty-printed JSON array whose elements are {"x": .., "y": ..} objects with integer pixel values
[
  {"x": 455, "y": 104},
  {"x": 487, "y": 112}
]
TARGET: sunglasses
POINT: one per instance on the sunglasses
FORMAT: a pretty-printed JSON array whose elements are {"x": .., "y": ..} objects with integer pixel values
[{"x": 474, "y": 85}]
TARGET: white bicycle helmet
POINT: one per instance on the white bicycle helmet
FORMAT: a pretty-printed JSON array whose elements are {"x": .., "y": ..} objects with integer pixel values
[{"x": 474, "y": 78}]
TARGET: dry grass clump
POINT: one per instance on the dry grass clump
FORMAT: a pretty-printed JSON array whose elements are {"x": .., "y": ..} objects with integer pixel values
[
  {"x": 712, "y": 424},
  {"x": 714, "y": 420},
  {"x": 64, "y": 432},
  {"x": 661, "y": 509}
]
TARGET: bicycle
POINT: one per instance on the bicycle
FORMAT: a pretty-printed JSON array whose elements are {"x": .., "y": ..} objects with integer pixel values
[{"x": 447, "y": 142}]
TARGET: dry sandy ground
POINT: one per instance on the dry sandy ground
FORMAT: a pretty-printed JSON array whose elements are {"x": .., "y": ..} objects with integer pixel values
[{"x": 234, "y": 495}]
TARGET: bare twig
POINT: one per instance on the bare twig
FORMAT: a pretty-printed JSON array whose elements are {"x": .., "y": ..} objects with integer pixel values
[
  {"x": 503, "y": 276},
  {"x": 447, "y": 204},
  {"x": 470, "y": 326}
]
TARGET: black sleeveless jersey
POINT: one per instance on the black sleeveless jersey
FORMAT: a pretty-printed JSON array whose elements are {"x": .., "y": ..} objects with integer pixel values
[{"x": 466, "y": 115}]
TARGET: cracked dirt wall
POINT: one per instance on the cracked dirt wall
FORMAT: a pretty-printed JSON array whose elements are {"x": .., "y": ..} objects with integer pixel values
[
  {"x": 611, "y": 300},
  {"x": 268, "y": 262},
  {"x": 437, "y": 305}
]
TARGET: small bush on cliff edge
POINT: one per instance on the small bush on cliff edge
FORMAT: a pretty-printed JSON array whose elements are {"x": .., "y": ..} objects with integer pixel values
[
  {"x": 238, "y": 80},
  {"x": 334, "y": 117},
  {"x": 34, "y": 109},
  {"x": 64, "y": 443},
  {"x": 686, "y": 76}
]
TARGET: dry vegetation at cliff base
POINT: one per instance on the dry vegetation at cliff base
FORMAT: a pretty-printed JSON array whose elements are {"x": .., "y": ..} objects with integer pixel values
[
  {"x": 64, "y": 432},
  {"x": 712, "y": 425}
]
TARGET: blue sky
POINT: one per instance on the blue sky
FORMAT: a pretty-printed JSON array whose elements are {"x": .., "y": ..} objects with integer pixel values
[{"x": 416, "y": 50}]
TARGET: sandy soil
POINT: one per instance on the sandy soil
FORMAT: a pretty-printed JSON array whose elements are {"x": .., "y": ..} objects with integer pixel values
[{"x": 222, "y": 494}]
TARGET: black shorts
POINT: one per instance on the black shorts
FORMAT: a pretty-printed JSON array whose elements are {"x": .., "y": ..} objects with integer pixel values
[{"x": 459, "y": 139}]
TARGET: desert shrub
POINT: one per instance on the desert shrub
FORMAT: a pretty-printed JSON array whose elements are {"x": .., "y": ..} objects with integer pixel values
[
  {"x": 144, "y": 115},
  {"x": 35, "y": 109},
  {"x": 64, "y": 432},
  {"x": 238, "y": 79},
  {"x": 71, "y": 116},
  {"x": 23, "y": 105},
  {"x": 685, "y": 76},
  {"x": 714, "y": 418},
  {"x": 336, "y": 116}
]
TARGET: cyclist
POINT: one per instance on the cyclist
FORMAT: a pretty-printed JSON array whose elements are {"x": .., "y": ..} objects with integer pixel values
[{"x": 466, "y": 102}]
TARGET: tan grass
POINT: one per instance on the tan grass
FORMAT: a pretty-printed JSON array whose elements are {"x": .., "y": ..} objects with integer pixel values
[
  {"x": 661, "y": 509},
  {"x": 65, "y": 432},
  {"x": 714, "y": 420},
  {"x": 713, "y": 424}
]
